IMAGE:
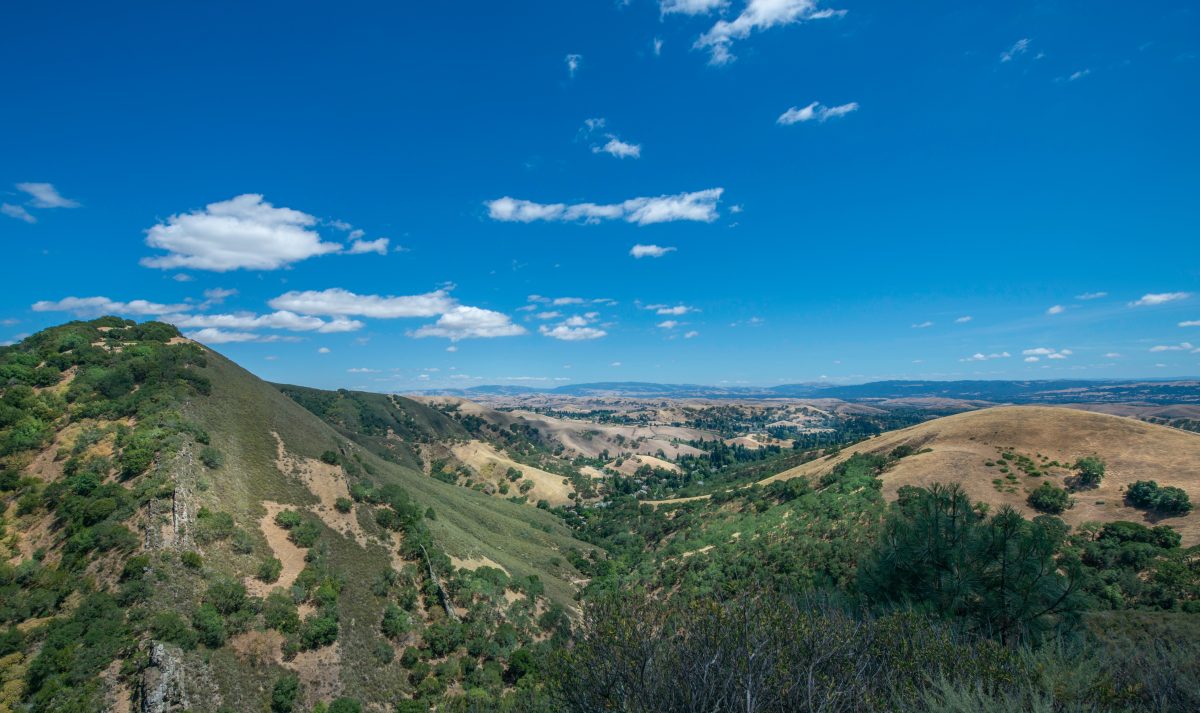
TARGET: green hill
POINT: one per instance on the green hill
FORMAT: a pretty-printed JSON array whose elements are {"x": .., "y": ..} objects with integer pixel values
[{"x": 178, "y": 534}]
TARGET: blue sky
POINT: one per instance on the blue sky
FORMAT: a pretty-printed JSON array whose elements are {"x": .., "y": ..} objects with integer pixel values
[{"x": 816, "y": 190}]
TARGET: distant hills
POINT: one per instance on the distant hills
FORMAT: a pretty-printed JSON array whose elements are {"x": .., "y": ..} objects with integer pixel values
[{"x": 1017, "y": 392}]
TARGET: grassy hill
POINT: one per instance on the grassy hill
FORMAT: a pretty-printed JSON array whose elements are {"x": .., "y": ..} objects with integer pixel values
[
  {"x": 968, "y": 448},
  {"x": 178, "y": 534}
]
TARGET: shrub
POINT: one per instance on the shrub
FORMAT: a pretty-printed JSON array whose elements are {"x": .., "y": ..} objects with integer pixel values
[
  {"x": 1091, "y": 471},
  {"x": 306, "y": 534},
  {"x": 270, "y": 569},
  {"x": 345, "y": 705},
  {"x": 211, "y": 457},
  {"x": 287, "y": 519},
  {"x": 395, "y": 622},
  {"x": 191, "y": 560},
  {"x": 209, "y": 625},
  {"x": 318, "y": 631},
  {"x": 1049, "y": 498},
  {"x": 343, "y": 505},
  {"x": 330, "y": 457},
  {"x": 1167, "y": 500},
  {"x": 283, "y": 696},
  {"x": 279, "y": 613}
]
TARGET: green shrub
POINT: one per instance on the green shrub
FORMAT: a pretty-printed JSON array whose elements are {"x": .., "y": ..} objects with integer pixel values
[
  {"x": 191, "y": 560},
  {"x": 285, "y": 693},
  {"x": 1091, "y": 471},
  {"x": 1049, "y": 498},
  {"x": 395, "y": 623},
  {"x": 320, "y": 630},
  {"x": 270, "y": 569},
  {"x": 209, "y": 625},
  {"x": 330, "y": 457},
  {"x": 287, "y": 519},
  {"x": 343, "y": 505},
  {"x": 211, "y": 457}
]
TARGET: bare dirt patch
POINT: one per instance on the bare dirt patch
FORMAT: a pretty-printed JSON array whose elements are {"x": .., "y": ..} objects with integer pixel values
[
  {"x": 328, "y": 483},
  {"x": 475, "y": 563},
  {"x": 493, "y": 465},
  {"x": 286, "y": 551}
]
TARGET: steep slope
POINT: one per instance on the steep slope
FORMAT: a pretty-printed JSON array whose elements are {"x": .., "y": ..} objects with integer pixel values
[
  {"x": 959, "y": 448},
  {"x": 176, "y": 533}
]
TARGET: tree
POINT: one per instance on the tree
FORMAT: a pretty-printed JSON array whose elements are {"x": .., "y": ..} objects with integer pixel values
[
  {"x": 1091, "y": 471},
  {"x": 283, "y": 696},
  {"x": 1005, "y": 573},
  {"x": 1049, "y": 498}
]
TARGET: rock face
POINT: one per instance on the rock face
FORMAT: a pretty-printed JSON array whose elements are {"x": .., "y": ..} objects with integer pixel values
[{"x": 162, "y": 681}]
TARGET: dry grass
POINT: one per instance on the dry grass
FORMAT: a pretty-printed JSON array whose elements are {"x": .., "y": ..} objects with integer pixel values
[
  {"x": 960, "y": 445},
  {"x": 284, "y": 550},
  {"x": 493, "y": 466}
]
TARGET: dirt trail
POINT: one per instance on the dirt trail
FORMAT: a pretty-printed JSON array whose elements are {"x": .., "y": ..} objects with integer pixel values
[{"x": 328, "y": 483}]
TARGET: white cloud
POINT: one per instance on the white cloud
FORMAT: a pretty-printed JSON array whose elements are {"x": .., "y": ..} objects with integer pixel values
[
  {"x": 1112, "y": 355},
  {"x": 1181, "y": 347},
  {"x": 698, "y": 206},
  {"x": 183, "y": 277},
  {"x": 560, "y": 301},
  {"x": 1091, "y": 295},
  {"x": 46, "y": 196},
  {"x": 923, "y": 325},
  {"x": 1019, "y": 48},
  {"x": 691, "y": 7},
  {"x": 1031, "y": 359},
  {"x": 215, "y": 335},
  {"x": 569, "y": 333},
  {"x": 691, "y": 334},
  {"x": 658, "y": 45},
  {"x": 362, "y": 370},
  {"x": 675, "y": 310},
  {"x": 463, "y": 322},
  {"x": 640, "y": 251},
  {"x": 552, "y": 314},
  {"x": 245, "y": 232},
  {"x": 815, "y": 110},
  {"x": 1158, "y": 298},
  {"x": 358, "y": 247},
  {"x": 18, "y": 212},
  {"x": 337, "y": 301},
  {"x": 1077, "y": 75},
  {"x": 615, "y": 363},
  {"x": 980, "y": 356},
  {"x": 1056, "y": 309},
  {"x": 282, "y": 319},
  {"x": 668, "y": 324},
  {"x": 573, "y": 61},
  {"x": 92, "y": 306},
  {"x": 323, "y": 350},
  {"x": 618, "y": 148},
  {"x": 964, "y": 319},
  {"x": 758, "y": 15},
  {"x": 1047, "y": 352},
  {"x": 1190, "y": 323}
]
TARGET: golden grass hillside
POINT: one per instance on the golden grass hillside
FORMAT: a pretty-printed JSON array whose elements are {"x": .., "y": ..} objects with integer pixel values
[{"x": 958, "y": 449}]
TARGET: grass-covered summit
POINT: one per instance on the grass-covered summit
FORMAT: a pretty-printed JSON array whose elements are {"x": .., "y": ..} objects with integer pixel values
[{"x": 178, "y": 534}]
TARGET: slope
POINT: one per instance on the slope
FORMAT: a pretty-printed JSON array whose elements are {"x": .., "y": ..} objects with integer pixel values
[{"x": 176, "y": 533}]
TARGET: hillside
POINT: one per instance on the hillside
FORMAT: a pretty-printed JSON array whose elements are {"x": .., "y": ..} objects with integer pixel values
[
  {"x": 958, "y": 448},
  {"x": 177, "y": 533}
]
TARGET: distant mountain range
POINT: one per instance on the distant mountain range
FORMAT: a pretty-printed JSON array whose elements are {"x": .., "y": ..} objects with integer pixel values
[{"x": 1017, "y": 392}]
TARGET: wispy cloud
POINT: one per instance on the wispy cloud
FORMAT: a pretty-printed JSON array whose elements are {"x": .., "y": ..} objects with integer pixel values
[
  {"x": 640, "y": 251},
  {"x": 1019, "y": 48},
  {"x": 1091, "y": 295},
  {"x": 573, "y": 62},
  {"x": 817, "y": 111},
  {"x": 340, "y": 302},
  {"x": 18, "y": 212},
  {"x": 691, "y": 7},
  {"x": 700, "y": 206},
  {"x": 380, "y": 246},
  {"x": 1038, "y": 353},
  {"x": 980, "y": 356},
  {"x": 758, "y": 15},
  {"x": 1158, "y": 298},
  {"x": 963, "y": 319},
  {"x": 1056, "y": 309},
  {"x": 93, "y": 306},
  {"x": 45, "y": 195},
  {"x": 1181, "y": 347},
  {"x": 923, "y": 325}
]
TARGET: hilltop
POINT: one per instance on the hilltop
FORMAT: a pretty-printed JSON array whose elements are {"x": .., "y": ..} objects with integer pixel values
[
  {"x": 968, "y": 448},
  {"x": 177, "y": 533}
]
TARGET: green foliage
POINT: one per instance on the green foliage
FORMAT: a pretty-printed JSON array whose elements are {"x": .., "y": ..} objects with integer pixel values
[
  {"x": 191, "y": 560},
  {"x": 285, "y": 693},
  {"x": 269, "y": 570},
  {"x": 213, "y": 526},
  {"x": 396, "y": 622},
  {"x": 211, "y": 457},
  {"x": 63, "y": 676},
  {"x": 280, "y": 613},
  {"x": 1004, "y": 574},
  {"x": 319, "y": 630},
  {"x": 343, "y": 505},
  {"x": 209, "y": 626},
  {"x": 1168, "y": 500},
  {"x": 170, "y": 627},
  {"x": 1090, "y": 471},
  {"x": 330, "y": 457},
  {"x": 345, "y": 705},
  {"x": 1049, "y": 498}
]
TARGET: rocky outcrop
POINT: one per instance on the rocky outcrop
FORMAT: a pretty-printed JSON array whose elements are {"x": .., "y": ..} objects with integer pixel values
[{"x": 162, "y": 681}]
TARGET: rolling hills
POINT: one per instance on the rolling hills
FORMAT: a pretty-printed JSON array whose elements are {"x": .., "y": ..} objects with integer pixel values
[{"x": 959, "y": 448}]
